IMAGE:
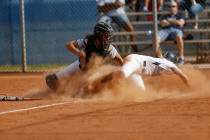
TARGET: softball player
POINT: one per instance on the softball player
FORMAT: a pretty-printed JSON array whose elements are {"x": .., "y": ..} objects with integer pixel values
[
  {"x": 137, "y": 65},
  {"x": 114, "y": 10},
  {"x": 99, "y": 43}
]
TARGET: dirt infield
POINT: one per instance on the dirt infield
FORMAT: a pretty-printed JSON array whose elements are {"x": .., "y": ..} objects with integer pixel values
[{"x": 174, "y": 118}]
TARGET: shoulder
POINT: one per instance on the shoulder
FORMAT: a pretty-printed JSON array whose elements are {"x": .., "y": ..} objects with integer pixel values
[{"x": 80, "y": 43}]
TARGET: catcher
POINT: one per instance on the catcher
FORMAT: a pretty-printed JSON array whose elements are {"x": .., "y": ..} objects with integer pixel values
[
  {"x": 137, "y": 65},
  {"x": 98, "y": 44}
]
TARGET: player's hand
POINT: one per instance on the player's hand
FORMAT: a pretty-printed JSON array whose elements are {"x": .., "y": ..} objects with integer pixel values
[
  {"x": 82, "y": 58},
  {"x": 82, "y": 54}
]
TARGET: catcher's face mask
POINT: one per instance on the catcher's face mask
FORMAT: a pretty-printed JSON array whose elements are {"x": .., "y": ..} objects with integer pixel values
[{"x": 105, "y": 39}]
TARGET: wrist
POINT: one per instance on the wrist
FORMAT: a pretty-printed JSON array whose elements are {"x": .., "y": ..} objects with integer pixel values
[{"x": 79, "y": 53}]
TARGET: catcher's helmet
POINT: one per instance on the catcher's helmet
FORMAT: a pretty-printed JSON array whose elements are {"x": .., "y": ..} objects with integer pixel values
[
  {"x": 170, "y": 56},
  {"x": 104, "y": 32}
]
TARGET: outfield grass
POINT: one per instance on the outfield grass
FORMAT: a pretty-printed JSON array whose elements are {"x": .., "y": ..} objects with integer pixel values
[{"x": 31, "y": 68}]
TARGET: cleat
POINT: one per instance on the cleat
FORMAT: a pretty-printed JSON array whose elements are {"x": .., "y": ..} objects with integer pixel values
[
  {"x": 180, "y": 61},
  {"x": 52, "y": 81}
]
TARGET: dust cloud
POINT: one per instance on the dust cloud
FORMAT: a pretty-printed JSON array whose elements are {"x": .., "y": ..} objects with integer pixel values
[{"x": 157, "y": 87}]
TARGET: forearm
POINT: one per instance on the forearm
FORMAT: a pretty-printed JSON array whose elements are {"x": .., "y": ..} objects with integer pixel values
[
  {"x": 119, "y": 60},
  {"x": 180, "y": 23},
  {"x": 181, "y": 75},
  {"x": 71, "y": 47},
  {"x": 184, "y": 79},
  {"x": 164, "y": 23}
]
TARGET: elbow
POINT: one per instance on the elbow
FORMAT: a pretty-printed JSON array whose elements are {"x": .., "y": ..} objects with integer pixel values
[{"x": 69, "y": 45}]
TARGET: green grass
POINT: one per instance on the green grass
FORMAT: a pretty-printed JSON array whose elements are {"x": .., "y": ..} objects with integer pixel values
[{"x": 31, "y": 68}]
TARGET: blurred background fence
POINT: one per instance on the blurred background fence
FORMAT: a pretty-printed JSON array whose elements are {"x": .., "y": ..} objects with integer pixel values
[{"x": 50, "y": 24}]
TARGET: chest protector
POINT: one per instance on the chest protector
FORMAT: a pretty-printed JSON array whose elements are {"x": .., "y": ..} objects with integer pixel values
[{"x": 91, "y": 49}]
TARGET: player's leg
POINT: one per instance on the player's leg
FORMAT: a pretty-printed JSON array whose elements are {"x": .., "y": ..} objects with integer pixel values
[
  {"x": 161, "y": 3},
  {"x": 136, "y": 78},
  {"x": 146, "y": 5},
  {"x": 52, "y": 80},
  {"x": 130, "y": 66},
  {"x": 69, "y": 70},
  {"x": 162, "y": 36},
  {"x": 180, "y": 45},
  {"x": 122, "y": 21}
]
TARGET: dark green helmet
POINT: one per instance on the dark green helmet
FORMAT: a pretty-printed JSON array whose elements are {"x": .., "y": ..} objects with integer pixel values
[{"x": 104, "y": 32}]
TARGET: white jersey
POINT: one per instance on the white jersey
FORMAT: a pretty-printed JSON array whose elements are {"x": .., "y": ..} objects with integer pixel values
[
  {"x": 146, "y": 65},
  {"x": 112, "y": 12},
  {"x": 75, "y": 66}
]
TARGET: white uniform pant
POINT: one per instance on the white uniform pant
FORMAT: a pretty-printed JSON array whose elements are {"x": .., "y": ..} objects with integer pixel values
[
  {"x": 136, "y": 78},
  {"x": 69, "y": 70},
  {"x": 131, "y": 69}
]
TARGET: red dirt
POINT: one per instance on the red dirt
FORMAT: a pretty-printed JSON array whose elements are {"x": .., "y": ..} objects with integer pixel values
[{"x": 164, "y": 119}]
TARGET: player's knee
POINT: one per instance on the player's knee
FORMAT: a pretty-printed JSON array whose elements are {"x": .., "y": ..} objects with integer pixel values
[{"x": 138, "y": 81}]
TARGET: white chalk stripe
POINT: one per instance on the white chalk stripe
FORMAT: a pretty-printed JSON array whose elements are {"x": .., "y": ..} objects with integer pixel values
[{"x": 33, "y": 108}]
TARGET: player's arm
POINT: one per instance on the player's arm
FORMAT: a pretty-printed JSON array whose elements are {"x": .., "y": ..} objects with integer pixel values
[
  {"x": 118, "y": 59},
  {"x": 113, "y": 53},
  {"x": 183, "y": 76},
  {"x": 73, "y": 48},
  {"x": 179, "y": 22},
  {"x": 164, "y": 23}
]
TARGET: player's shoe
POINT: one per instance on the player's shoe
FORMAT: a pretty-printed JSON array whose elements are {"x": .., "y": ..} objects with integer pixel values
[
  {"x": 52, "y": 81},
  {"x": 180, "y": 61}
]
